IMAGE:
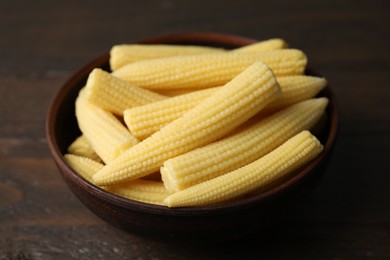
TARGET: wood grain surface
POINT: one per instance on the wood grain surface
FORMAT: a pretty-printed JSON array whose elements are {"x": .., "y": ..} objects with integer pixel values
[{"x": 43, "y": 42}]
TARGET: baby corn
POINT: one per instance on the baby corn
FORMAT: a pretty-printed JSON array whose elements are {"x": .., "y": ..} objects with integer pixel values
[
  {"x": 123, "y": 54},
  {"x": 235, "y": 151},
  {"x": 145, "y": 120},
  {"x": 226, "y": 109},
  {"x": 115, "y": 95},
  {"x": 83, "y": 165},
  {"x": 288, "y": 157},
  {"x": 82, "y": 147},
  {"x": 107, "y": 136},
  {"x": 267, "y": 45},
  {"x": 208, "y": 70},
  {"x": 141, "y": 190},
  {"x": 296, "y": 89}
]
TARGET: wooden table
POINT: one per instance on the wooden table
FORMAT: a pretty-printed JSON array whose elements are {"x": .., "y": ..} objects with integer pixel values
[{"x": 44, "y": 42}]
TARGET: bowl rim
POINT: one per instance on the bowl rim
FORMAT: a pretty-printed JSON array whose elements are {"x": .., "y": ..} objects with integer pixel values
[{"x": 195, "y": 37}]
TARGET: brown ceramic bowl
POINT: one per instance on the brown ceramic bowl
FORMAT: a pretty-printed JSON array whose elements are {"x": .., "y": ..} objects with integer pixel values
[{"x": 209, "y": 223}]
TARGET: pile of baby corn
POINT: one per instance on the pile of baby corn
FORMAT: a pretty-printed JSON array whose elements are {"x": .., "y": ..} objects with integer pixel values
[{"x": 188, "y": 126}]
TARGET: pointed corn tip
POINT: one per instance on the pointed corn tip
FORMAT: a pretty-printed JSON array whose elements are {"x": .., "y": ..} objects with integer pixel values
[
  {"x": 323, "y": 101},
  {"x": 281, "y": 42},
  {"x": 320, "y": 102},
  {"x": 172, "y": 201},
  {"x": 320, "y": 82},
  {"x": 102, "y": 178},
  {"x": 96, "y": 179}
]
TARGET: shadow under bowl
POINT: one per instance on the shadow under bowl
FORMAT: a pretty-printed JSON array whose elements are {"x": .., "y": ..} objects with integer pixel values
[{"x": 225, "y": 222}]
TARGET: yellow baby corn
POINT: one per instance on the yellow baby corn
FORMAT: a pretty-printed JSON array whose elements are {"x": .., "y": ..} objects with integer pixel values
[
  {"x": 115, "y": 95},
  {"x": 103, "y": 130},
  {"x": 83, "y": 165},
  {"x": 267, "y": 45},
  {"x": 226, "y": 109},
  {"x": 296, "y": 89},
  {"x": 288, "y": 157},
  {"x": 82, "y": 147},
  {"x": 208, "y": 70},
  {"x": 145, "y": 120},
  {"x": 141, "y": 190},
  {"x": 123, "y": 54},
  {"x": 244, "y": 147}
]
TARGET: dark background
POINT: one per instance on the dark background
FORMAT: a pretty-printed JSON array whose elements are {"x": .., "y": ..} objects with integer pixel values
[{"x": 43, "y": 42}]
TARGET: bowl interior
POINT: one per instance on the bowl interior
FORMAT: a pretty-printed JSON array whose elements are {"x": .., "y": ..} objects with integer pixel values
[{"x": 62, "y": 129}]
